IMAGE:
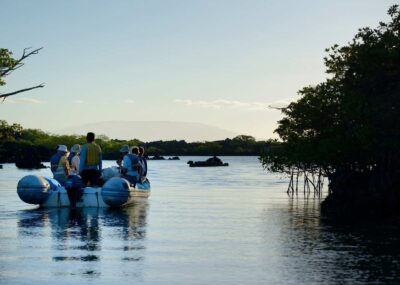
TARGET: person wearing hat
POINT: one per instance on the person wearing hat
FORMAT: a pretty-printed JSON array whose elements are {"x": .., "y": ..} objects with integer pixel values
[
  {"x": 74, "y": 158},
  {"x": 60, "y": 165},
  {"x": 130, "y": 164},
  {"x": 61, "y": 150}
]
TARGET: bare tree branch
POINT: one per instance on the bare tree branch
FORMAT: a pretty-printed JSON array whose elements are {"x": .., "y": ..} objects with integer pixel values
[
  {"x": 4, "y": 96},
  {"x": 277, "y": 108},
  {"x": 19, "y": 62}
]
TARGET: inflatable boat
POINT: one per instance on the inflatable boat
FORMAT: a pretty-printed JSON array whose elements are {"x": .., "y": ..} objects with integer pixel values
[{"x": 47, "y": 192}]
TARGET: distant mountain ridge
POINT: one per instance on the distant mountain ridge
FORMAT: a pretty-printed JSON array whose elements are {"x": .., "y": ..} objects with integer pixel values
[{"x": 151, "y": 130}]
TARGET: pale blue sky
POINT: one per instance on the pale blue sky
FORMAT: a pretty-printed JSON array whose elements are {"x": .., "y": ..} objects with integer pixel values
[{"x": 216, "y": 62}]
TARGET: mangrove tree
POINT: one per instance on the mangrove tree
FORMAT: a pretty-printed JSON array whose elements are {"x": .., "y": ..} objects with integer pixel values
[{"x": 347, "y": 128}]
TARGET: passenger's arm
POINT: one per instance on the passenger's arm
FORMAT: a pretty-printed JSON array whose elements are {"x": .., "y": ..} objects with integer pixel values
[
  {"x": 67, "y": 166},
  {"x": 83, "y": 159},
  {"x": 126, "y": 162}
]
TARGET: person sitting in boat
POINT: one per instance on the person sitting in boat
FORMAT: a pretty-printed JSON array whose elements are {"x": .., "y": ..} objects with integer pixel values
[
  {"x": 90, "y": 164},
  {"x": 60, "y": 165},
  {"x": 214, "y": 160},
  {"x": 143, "y": 164},
  {"x": 74, "y": 159},
  {"x": 130, "y": 164},
  {"x": 54, "y": 160}
]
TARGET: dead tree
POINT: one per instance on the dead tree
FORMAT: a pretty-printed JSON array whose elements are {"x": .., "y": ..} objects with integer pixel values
[{"x": 7, "y": 69}]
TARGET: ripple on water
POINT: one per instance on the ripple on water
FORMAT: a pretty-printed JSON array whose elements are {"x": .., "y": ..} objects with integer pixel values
[{"x": 228, "y": 225}]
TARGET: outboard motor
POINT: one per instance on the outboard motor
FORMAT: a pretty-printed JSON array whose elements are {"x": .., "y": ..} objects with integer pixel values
[
  {"x": 74, "y": 187},
  {"x": 115, "y": 191},
  {"x": 33, "y": 189}
]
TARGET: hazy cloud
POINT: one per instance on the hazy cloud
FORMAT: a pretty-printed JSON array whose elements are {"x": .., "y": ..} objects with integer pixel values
[
  {"x": 223, "y": 104},
  {"x": 78, "y": 101},
  {"x": 130, "y": 101},
  {"x": 25, "y": 100},
  {"x": 216, "y": 104}
]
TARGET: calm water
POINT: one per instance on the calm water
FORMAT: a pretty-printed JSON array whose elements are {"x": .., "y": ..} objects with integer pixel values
[{"x": 228, "y": 225}]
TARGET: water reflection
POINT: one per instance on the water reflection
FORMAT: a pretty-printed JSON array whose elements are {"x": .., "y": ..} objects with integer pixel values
[
  {"x": 327, "y": 252},
  {"x": 370, "y": 249},
  {"x": 132, "y": 221},
  {"x": 81, "y": 226},
  {"x": 85, "y": 240}
]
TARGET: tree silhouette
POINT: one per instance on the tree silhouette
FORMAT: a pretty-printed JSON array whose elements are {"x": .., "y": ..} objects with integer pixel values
[
  {"x": 8, "y": 64},
  {"x": 348, "y": 127}
]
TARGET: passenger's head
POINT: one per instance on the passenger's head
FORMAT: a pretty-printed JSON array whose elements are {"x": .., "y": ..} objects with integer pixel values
[
  {"x": 141, "y": 150},
  {"x": 124, "y": 149},
  {"x": 62, "y": 149},
  {"x": 76, "y": 148},
  {"x": 90, "y": 137},
  {"x": 135, "y": 150}
]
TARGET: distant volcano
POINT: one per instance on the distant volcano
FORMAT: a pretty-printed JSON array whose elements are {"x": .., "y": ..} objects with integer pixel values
[{"x": 152, "y": 130}]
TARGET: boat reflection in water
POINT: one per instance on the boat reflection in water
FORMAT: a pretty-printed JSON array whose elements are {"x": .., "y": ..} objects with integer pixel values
[{"x": 87, "y": 242}]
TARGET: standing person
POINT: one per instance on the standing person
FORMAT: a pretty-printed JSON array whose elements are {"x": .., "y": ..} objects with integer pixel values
[
  {"x": 75, "y": 160},
  {"x": 130, "y": 164},
  {"x": 59, "y": 165},
  {"x": 90, "y": 165},
  {"x": 143, "y": 163}
]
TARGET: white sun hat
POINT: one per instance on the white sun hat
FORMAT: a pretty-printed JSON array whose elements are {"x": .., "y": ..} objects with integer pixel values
[
  {"x": 62, "y": 148},
  {"x": 76, "y": 148},
  {"x": 124, "y": 148}
]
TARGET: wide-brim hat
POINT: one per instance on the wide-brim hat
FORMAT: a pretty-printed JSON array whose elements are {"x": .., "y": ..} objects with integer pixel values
[
  {"x": 124, "y": 148},
  {"x": 76, "y": 148},
  {"x": 62, "y": 148}
]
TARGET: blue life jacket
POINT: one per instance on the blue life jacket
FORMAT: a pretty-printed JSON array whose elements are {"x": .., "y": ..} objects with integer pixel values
[
  {"x": 134, "y": 161},
  {"x": 134, "y": 168},
  {"x": 54, "y": 160}
]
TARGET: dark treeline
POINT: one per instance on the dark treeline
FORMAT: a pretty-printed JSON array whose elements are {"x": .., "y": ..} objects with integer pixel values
[
  {"x": 347, "y": 128},
  {"x": 17, "y": 142}
]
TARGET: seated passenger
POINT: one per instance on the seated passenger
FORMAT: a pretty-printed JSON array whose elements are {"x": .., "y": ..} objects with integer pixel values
[
  {"x": 54, "y": 160},
  {"x": 59, "y": 165},
  {"x": 214, "y": 160},
  {"x": 143, "y": 164},
  {"x": 74, "y": 159},
  {"x": 130, "y": 164}
]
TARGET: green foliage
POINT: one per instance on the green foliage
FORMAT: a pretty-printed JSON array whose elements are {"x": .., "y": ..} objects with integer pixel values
[
  {"x": 14, "y": 140},
  {"x": 352, "y": 120},
  {"x": 9, "y": 131},
  {"x": 208, "y": 147},
  {"x": 7, "y": 62}
]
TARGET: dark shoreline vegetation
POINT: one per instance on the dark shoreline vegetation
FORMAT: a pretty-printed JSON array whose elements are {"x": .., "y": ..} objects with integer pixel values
[
  {"x": 18, "y": 144},
  {"x": 348, "y": 127}
]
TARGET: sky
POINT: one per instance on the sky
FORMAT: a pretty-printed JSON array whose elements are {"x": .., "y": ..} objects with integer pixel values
[{"x": 216, "y": 62}]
